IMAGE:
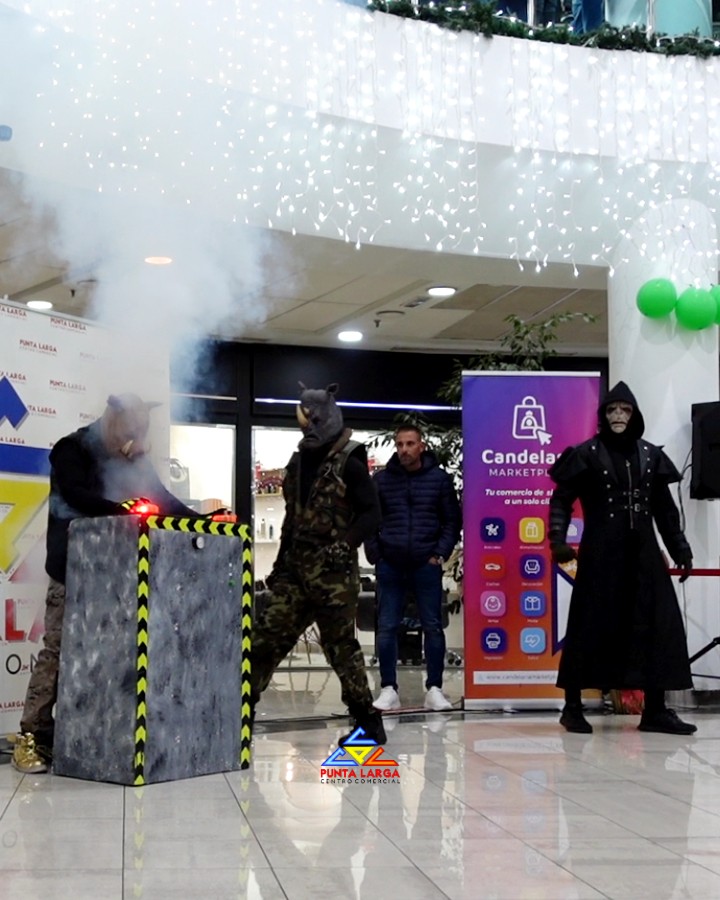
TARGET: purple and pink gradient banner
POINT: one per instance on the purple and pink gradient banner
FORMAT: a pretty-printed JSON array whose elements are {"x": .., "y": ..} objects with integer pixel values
[{"x": 515, "y": 425}]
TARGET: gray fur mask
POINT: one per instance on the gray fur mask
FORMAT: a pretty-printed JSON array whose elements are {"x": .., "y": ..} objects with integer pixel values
[{"x": 318, "y": 415}]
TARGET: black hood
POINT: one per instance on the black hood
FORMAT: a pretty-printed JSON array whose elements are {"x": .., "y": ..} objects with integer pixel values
[{"x": 636, "y": 426}]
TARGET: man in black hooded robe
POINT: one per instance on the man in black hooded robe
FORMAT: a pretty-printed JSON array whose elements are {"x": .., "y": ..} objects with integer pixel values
[{"x": 625, "y": 629}]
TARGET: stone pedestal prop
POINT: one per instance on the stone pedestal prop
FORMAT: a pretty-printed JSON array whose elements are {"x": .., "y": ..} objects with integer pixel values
[{"x": 154, "y": 664}]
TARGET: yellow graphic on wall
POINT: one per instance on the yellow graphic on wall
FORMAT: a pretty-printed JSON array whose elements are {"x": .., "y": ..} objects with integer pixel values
[{"x": 20, "y": 502}]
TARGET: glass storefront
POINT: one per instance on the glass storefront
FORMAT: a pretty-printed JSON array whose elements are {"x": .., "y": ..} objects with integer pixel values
[{"x": 202, "y": 465}]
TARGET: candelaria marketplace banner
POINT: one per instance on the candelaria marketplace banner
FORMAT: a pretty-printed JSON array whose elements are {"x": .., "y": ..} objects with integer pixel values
[{"x": 515, "y": 425}]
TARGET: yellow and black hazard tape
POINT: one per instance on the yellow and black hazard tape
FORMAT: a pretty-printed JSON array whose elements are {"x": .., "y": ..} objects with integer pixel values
[
  {"x": 199, "y": 526},
  {"x": 143, "y": 592},
  {"x": 194, "y": 526},
  {"x": 246, "y": 625}
]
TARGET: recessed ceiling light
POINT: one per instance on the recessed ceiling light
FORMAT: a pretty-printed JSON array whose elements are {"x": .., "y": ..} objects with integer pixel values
[
  {"x": 39, "y": 304},
  {"x": 158, "y": 260},
  {"x": 350, "y": 337},
  {"x": 441, "y": 290}
]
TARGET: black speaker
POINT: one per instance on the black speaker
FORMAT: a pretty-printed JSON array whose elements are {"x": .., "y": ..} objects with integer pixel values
[{"x": 705, "y": 480}]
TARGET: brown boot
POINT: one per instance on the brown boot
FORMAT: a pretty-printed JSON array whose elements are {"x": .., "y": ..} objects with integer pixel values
[{"x": 27, "y": 757}]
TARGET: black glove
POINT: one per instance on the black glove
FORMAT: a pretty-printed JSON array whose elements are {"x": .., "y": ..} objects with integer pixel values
[
  {"x": 685, "y": 564},
  {"x": 562, "y": 553}
]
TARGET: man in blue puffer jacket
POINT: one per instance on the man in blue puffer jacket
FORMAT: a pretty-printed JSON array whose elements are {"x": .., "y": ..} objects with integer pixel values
[{"x": 420, "y": 527}]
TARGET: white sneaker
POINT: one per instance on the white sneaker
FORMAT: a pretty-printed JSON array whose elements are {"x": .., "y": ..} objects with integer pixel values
[
  {"x": 388, "y": 699},
  {"x": 436, "y": 700}
]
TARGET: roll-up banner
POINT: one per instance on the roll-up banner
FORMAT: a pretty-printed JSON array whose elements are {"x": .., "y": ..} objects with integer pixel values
[
  {"x": 55, "y": 375},
  {"x": 515, "y": 425}
]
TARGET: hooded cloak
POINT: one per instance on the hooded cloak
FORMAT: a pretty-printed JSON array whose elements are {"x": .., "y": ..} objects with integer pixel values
[{"x": 625, "y": 629}]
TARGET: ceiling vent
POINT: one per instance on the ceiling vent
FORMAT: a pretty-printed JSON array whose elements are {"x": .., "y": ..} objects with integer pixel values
[{"x": 419, "y": 301}]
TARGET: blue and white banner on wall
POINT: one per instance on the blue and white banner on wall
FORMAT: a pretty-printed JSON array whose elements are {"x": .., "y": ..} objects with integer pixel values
[
  {"x": 515, "y": 425},
  {"x": 55, "y": 376}
]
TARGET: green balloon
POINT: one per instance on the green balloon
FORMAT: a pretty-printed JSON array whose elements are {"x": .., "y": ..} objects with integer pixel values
[
  {"x": 715, "y": 293},
  {"x": 696, "y": 309},
  {"x": 657, "y": 298}
]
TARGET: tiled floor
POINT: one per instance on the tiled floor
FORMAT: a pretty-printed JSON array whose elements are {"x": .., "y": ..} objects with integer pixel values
[{"x": 495, "y": 806}]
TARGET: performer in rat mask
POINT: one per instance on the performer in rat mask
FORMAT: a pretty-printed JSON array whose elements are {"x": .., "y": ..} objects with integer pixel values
[
  {"x": 624, "y": 628},
  {"x": 331, "y": 507}
]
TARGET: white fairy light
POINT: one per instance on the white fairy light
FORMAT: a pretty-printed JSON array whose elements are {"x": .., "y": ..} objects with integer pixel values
[{"x": 270, "y": 104}]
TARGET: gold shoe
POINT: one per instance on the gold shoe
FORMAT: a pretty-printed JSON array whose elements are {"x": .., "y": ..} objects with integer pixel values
[{"x": 25, "y": 757}]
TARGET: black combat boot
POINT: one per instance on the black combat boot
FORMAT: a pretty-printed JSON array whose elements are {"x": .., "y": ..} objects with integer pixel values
[
  {"x": 370, "y": 720},
  {"x": 666, "y": 721},
  {"x": 573, "y": 720},
  {"x": 657, "y": 717}
]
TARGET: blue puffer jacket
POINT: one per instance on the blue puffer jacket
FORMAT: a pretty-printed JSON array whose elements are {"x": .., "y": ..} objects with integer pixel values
[{"x": 420, "y": 514}]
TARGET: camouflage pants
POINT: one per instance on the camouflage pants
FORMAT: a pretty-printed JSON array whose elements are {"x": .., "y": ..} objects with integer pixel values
[
  {"x": 307, "y": 588},
  {"x": 42, "y": 689}
]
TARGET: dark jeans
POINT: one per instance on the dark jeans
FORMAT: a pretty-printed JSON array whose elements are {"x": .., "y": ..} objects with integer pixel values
[
  {"x": 588, "y": 15},
  {"x": 393, "y": 585}
]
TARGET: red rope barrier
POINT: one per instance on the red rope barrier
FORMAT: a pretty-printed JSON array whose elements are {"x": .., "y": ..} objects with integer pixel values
[{"x": 696, "y": 572}]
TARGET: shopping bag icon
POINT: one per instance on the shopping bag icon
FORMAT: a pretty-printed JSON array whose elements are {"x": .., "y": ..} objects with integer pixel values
[{"x": 528, "y": 419}]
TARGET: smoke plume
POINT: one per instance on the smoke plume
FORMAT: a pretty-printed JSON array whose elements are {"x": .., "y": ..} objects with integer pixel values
[{"x": 124, "y": 128}]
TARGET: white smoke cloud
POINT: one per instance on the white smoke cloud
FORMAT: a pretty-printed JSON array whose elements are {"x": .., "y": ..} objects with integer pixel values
[{"x": 126, "y": 127}]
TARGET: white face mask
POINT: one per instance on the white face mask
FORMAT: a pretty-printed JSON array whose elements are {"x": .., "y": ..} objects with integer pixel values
[{"x": 618, "y": 415}]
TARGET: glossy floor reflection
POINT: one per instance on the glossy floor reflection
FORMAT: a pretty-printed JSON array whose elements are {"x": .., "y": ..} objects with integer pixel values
[{"x": 495, "y": 806}]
